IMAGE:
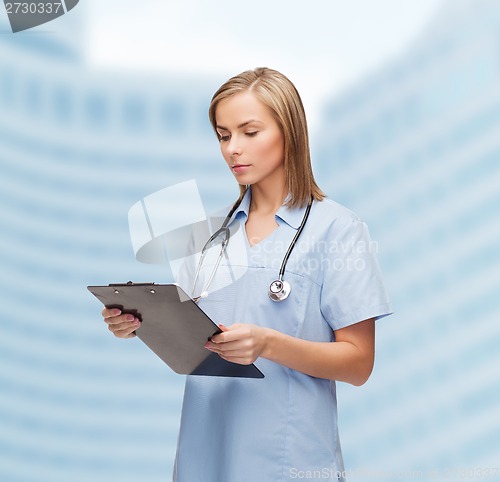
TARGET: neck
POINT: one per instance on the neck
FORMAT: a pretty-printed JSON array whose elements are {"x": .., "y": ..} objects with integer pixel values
[{"x": 267, "y": 199}]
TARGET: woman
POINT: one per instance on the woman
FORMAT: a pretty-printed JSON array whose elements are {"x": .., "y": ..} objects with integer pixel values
[{"x": 284, "y": 426}]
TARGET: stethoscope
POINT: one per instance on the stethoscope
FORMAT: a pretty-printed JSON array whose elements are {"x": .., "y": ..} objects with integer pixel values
[{"x": 279, "y": 289}]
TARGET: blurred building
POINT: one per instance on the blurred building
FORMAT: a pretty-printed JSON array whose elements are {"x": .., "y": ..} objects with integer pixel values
[
  {"x": 414, "y": 149},
  {"x": 78, "y": 147}
]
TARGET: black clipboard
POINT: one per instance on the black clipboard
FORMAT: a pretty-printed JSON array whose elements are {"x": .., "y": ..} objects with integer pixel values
[{"x": 173, "y": 326}]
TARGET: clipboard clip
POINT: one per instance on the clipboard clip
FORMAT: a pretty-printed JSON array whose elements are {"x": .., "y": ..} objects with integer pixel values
[
  {"x": 131, "y": 283},
  {"x": 116, "y": 286}
]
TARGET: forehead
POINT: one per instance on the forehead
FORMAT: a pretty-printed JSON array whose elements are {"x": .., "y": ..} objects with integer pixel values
[{"x": 240, "y": 108}]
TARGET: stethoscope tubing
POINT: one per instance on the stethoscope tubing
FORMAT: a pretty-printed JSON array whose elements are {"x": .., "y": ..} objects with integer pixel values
[
  {"x": 279, "y": 289},
  {"x": 294, "y": 240}
]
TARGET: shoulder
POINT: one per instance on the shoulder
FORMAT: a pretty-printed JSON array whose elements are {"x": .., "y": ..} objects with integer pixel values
[
  {"x": 334, "y": 210},
  {"x": 334, "y": 216}
]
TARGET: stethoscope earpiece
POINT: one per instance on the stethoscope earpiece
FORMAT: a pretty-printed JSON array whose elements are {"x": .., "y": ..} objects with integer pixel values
[{"x": 279, "y": 290}]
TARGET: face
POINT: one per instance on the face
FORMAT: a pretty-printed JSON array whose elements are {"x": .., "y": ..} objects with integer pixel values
[{"x": 250, "y": 140}]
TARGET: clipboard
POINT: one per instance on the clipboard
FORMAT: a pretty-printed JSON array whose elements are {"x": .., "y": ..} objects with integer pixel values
[{"x": 173, "y": 326}]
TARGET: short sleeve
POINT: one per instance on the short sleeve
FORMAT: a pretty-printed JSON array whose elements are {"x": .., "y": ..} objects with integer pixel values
[{"x": 353, "y": 289}]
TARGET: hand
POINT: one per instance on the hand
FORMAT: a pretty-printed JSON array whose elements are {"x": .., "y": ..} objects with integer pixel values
[
  {"x": 121, "y": 325},
  {"x": 239, "y": 343}
]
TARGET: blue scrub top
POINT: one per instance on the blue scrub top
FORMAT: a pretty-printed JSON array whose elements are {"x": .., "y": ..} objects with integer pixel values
[{"x": 284, "y": 426}]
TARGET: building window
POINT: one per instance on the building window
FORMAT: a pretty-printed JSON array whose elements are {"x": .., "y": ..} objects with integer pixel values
[
  {"x": 343, "y": 150},
  {"x": 388, "y": 126},
  {"x": 96, "y": 110},
  {"x": 173, "y": 117},
  {"x": 134, "y": 114},
  {"x": 7, "y": 87},
  {"x": 62, "y": 104},
  {"x": 203, "y": 126},
  {"x": 365, "y": 139},
  {"x": 410, "y": 112},
  {"x": 33, "y": 96}
]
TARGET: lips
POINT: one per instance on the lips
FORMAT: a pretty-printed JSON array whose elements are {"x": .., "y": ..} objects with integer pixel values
[{"x": 239, "y": 168}]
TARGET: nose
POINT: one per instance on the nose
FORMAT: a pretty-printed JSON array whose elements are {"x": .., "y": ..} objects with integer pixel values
[{"x": 234, "y": 146}]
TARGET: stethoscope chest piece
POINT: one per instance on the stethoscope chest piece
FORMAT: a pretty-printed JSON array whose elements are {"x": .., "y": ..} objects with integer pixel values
[{"x": 279, "y": 290}]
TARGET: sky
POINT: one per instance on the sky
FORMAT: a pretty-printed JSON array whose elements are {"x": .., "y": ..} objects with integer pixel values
[{"x": 323, "y": 46}]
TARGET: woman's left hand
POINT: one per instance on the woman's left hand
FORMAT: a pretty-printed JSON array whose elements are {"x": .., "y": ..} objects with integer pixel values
[{"x": 239, "y": 343}]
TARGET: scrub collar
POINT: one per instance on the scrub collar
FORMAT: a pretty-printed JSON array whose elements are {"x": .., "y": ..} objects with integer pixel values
[{"x": 291, "y": 216}]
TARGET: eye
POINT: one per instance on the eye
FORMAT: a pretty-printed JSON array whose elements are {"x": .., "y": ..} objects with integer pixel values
[
  {"x": 251, "y": 134},
  {"x": 224, "y": 138}
]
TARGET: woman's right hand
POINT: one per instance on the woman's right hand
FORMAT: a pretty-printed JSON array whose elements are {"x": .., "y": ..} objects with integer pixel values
[{"x": 122, "y": 325}]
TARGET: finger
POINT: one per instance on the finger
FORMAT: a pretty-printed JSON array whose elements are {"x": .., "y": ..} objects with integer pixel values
[
  {"x": 236, "y": 353},
  {"x": 227, "y": 336},
  {"x": 126, "y": 318},
  {"x": 216, "y": 338},
  {"x": 128, "y": 332},
  {"x": 231, "y": 346},
  {"x": 110, "y": 312},
  {"x": 125, "y": 334},
  {"x": 126, "y": 326},
  {"x": 232, "y": 333}
]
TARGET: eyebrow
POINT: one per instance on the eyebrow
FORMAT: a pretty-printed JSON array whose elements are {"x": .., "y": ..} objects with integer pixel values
[{"x": 239, "y": 127}]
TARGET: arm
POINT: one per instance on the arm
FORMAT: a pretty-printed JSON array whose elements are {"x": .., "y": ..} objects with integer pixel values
[{"x": 348, "y": 359}]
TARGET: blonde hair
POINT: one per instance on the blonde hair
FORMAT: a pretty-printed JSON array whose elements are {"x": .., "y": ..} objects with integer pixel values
[{"x": 276, "y": 91}]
